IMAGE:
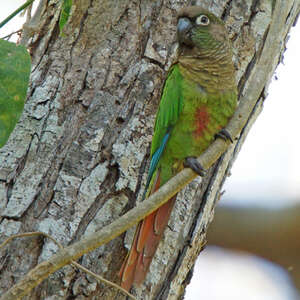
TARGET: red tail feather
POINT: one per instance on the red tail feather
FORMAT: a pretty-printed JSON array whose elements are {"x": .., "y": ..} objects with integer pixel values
[{"x": 146, "y": 239}]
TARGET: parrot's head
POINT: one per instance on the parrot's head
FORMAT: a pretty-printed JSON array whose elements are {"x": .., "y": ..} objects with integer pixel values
[{"x": 199, "y": 29}]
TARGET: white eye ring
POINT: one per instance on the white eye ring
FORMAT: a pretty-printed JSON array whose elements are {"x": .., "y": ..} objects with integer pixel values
[{"x": 202, "y": 20}]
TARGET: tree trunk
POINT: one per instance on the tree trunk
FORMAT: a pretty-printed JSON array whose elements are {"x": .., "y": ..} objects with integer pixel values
[{"x": 78, "y": 158}]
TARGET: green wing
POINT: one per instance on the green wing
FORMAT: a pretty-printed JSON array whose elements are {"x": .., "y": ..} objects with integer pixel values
[
  {"x": 168, "y": 113},
  {"x": 170, "y": 107}
]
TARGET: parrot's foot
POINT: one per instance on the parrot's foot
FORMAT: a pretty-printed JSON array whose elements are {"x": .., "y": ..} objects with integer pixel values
[
  {"x": 192, "y": 162},
  {"x": 224, "y": 135}
]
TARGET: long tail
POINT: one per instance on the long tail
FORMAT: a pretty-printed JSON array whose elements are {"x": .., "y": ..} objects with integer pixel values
[{"x": 146, "y": 239}]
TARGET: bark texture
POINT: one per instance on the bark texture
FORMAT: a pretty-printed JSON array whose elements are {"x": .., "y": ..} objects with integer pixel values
[{"x": 78, "y": 158}]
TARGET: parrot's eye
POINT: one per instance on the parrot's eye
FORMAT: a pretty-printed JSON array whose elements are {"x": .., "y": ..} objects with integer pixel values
[{"x": 202, "y": 20}]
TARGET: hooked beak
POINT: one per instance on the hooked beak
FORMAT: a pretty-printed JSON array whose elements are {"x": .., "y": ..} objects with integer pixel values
[{"x": 184, "y": 27}]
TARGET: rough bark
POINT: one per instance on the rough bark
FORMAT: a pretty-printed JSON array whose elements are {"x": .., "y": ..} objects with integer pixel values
[{"x": 78, "y": 158}]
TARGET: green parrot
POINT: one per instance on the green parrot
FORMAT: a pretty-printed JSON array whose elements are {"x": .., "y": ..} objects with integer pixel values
[{"x": 198, "y": 99}]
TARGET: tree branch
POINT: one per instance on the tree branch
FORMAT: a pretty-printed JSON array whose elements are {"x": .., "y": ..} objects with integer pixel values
[{"x": 74, "y": 263}]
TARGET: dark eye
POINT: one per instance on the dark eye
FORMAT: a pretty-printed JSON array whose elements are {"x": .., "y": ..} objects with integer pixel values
[{"x": 202, "y": 20}]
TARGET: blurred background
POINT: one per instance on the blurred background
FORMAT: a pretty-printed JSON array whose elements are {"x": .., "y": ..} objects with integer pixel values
[{"x": 253, "y": 247}]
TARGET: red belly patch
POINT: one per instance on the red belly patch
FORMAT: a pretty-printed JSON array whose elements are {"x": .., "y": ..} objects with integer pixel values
[{"x": 202, "y": 118}]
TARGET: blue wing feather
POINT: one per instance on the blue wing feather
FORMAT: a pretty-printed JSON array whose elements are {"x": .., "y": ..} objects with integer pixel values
[{"x": 154, "y": 161}]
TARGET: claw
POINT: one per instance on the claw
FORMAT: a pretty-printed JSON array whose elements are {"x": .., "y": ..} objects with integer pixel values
[
  {"x": 224, "y": 135},
  {"x": 192, "y": 162}
]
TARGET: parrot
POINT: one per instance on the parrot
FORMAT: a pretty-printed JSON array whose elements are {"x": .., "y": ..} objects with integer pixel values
[{"x": 198, "y": 98}]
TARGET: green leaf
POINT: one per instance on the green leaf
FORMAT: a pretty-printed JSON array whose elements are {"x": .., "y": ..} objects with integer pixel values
[
  {"x": 14, "y": 77},
  {"x": 65, "y": 13}
]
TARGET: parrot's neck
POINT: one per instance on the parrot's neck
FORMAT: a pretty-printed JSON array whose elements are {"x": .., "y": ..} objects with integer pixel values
[{"x": 213, "y": 70}]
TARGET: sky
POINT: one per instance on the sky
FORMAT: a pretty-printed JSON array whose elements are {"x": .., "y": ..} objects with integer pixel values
[
  {"x": 266, "y": 171},
  {"x": 16, "y": 23},
  {"x": 226, "y": 275}
]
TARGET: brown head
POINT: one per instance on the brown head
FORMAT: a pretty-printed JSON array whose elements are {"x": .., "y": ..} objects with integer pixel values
[
  {"x": 205, "y": 52},
  {"x": 199, "y": 30}
]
